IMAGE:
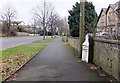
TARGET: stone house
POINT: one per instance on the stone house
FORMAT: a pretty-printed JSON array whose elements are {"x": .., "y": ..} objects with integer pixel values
[
  {"x": 30, "y": 29},
  {"x": 113, "y": 18},
  {"x": 102, "y": 20},
  {"x": 1, "y": 22},
  {"x": 109, "y": 19}
]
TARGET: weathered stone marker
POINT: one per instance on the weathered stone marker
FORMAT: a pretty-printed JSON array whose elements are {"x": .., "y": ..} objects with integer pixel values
[{"x": 85, "y": 50}]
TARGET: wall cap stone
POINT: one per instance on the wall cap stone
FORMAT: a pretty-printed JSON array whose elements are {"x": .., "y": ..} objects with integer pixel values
[
  {"x": 73, "y": 37},
  {"x": 111, "y": 41}
]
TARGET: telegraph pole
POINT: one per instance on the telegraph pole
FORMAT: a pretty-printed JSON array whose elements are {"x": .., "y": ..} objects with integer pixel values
[{"x": 81, "y": 29}]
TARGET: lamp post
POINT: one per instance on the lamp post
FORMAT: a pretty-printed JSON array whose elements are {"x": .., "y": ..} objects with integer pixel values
[{"x": 81, "y": 29}]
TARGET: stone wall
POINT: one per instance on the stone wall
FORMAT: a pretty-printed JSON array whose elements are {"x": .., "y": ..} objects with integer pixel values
[
  {"x": 65, "y": 38},
  {"x": 106, "y": 53},
  {"x": 74, "y": 42},
  {"x": 107, "y": 56}
]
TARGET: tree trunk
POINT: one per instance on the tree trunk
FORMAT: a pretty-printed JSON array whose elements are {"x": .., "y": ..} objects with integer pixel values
[
  {"x": 44, "y": 22},
  {"x": 51, "y": 32},
  {"x": 8, "y": 34},
  {"x": 44, "y": 33}
]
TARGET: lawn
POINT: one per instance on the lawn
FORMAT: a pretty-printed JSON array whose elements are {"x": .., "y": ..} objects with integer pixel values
[
  {"x": 46, "y": 40},
  {"x": 13, "y": 58}
]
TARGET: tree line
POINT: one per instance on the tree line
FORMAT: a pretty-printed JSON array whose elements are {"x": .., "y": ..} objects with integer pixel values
[
  {"x": 48, "y": 20},
  {"x": 44, "y": 17}
]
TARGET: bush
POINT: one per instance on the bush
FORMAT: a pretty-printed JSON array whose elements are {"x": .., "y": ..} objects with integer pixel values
[
  {"x": 20, "y": 29},
  {"x": 13, "y": 33}
]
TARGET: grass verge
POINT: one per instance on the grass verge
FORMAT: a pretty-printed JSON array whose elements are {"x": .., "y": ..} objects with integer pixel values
[
  {"x": 13, "y": 58},
  {"x": 70, "y": 48},
  {"x": 73, "y": 51},
  {"x": 46, "y": 40}
]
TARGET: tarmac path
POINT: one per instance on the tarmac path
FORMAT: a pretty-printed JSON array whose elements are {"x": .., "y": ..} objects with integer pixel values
[{"x": 56, "y": 63}]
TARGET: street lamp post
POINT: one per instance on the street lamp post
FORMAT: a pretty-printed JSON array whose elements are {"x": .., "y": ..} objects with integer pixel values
[{"x": 81, "y": 29}]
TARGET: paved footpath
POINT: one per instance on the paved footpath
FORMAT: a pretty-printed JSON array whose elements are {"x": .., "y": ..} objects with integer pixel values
[{"x": 56, "y": 63}]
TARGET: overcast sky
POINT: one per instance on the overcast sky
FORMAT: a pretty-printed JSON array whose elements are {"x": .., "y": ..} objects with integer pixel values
[{"x": 24, "y": 7}]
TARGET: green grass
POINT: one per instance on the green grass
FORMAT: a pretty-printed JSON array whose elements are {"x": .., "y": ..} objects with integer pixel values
[
  {"x": 73, "y": 51},
  {"x": 46, "y": 40},
  {"x": 20, "y": 50},
  {"x": 69, "y": 47},
  {"x": 15, "y": 57}
]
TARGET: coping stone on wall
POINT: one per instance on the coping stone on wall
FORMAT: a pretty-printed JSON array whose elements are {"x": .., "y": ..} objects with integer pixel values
[
  {"x": 74, "y": 37},
  {"x": 110, "y": 41}
]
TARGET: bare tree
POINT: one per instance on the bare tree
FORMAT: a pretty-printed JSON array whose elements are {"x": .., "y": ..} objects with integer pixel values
[
  {"x": 63, "y": 26},
  {"x": 53, "y": 19},
  {"x": 42, "y": 15},
  {"x": 48, "y": 18},
  {"x": 7, "y": 16}
]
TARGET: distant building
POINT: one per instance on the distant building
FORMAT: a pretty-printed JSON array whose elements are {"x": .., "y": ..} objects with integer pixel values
[
  {"x": 16, "y": 22},
  {"x": 102, "y": 21},
  {"x": 30, "y": 29},
  {"x": 1, "y": 22},
  {"x": 109, "y": 19},
  {"x": 113, "y": 18}
]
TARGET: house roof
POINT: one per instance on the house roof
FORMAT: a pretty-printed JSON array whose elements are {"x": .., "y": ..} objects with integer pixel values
[
  {"x": 17, "y": 22},
  {"x": 103, "y": 10},
  {"x": 118, "y": 5},
  {"x": 115, "y": 7}
]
